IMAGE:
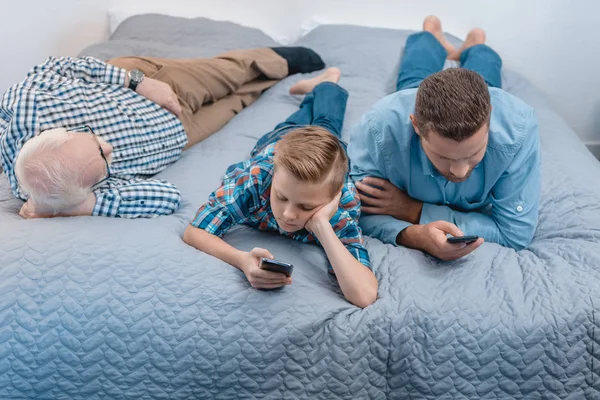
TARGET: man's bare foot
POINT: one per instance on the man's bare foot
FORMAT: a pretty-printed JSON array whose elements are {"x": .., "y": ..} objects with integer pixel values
[
  {"x": 304, "y": 86},
  {"x": 433, "y": 25},
  {"x": 475, "y": 36}
]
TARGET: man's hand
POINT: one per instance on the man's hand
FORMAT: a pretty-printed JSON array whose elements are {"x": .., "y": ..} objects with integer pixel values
[
  {"x": 324, "y": 214},
  {"x": 86, "y": 207},
  {"x": 432, "y": 239},
  {"x": 260, "y": 278},
  {"x": 160, "y": 93},
  {"x": 380, "y": 197}
]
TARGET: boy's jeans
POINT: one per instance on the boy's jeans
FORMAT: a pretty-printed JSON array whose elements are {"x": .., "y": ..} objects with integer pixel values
[{"x": 325, "y": 106}]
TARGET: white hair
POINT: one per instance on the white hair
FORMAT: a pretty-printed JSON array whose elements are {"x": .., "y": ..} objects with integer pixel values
[{"x": 48, "y": 178}]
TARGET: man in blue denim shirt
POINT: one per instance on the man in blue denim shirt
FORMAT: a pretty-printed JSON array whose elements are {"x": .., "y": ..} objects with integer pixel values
[{"x": 453, "y": 157}]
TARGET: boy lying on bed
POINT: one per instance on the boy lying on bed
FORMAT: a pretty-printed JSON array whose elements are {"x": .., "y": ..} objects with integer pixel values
[{"x": 296, "y": 183}]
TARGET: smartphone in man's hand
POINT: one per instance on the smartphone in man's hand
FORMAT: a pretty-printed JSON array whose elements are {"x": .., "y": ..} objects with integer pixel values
[{"x": 463, "y": 239}]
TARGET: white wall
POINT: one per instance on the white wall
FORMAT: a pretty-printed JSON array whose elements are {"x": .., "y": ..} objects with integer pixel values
[
  {"x": 553, "y": 42},
  {"x": 32, "y": 30}
]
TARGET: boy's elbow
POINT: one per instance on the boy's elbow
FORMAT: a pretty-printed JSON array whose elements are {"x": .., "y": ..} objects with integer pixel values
[
  {"x": 189, "y": 234},
  {"x": 366, "y": 297},
  {"x": 365, "y": 300}
]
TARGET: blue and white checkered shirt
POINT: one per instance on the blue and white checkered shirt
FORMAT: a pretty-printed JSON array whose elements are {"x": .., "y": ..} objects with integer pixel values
[{"x": 68, "y": 92}]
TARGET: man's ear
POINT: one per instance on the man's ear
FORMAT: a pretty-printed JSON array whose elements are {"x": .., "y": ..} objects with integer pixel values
[{"x": 413, "y": 120}]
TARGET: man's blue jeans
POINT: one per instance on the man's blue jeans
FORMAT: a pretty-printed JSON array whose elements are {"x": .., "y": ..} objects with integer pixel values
[{"x": 424, "y": 55}]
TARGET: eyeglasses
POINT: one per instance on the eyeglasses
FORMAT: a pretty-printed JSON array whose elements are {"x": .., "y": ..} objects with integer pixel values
[{"x": 87, "y": 129}]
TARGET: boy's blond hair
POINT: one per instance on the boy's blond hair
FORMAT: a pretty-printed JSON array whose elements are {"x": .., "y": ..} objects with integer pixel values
[{"x": 312, "y": 154}]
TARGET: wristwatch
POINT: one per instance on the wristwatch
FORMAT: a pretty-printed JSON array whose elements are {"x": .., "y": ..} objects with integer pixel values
[{"x": 135, "y": 78}]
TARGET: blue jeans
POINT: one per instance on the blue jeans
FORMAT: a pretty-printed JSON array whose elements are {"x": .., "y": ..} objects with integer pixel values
[
  {"x": 424, "y": 55},
  {"x": 325, "y": 106}
]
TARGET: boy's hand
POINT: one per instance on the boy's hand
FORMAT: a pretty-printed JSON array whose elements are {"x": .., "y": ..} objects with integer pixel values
[
  {"x": 260, "y": 278},
  {"x": 324, "y": 214}
]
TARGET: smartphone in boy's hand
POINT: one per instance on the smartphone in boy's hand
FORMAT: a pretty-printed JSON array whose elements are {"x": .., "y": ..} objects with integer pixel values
[{"x": 272, "y": 265}]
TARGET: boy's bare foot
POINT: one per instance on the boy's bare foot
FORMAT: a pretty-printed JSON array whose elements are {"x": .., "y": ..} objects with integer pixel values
[
  {"x": 307, "y": 85},
  {"x": 475, "y": 36},
  {"x": 433, "y": 25}
]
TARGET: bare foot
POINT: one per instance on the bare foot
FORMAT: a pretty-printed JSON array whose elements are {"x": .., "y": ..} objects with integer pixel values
[
  {"x": 433, "y": 25},
  {"x": 475, "y": 36},
  {"x": 307, "y": 85}
]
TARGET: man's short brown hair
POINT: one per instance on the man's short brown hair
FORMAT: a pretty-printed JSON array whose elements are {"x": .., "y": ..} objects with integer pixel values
[
  {"x": 312, "y": 154},
  {"x": 454, "y": 103}
]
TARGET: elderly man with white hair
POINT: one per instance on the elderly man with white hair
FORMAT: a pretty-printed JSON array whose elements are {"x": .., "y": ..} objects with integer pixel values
[{"x": 80, "y": 136}]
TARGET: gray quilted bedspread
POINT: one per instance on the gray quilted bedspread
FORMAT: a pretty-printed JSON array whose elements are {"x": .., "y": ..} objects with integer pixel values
[{"x": 122, "y": 309}]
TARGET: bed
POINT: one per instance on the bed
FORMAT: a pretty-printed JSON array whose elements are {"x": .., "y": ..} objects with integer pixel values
[{"x": 122, "y": 309}]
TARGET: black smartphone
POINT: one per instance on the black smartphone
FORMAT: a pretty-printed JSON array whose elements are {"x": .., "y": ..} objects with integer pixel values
[
  {"x": 276, "y": 266},
  {"x": 463, "y": 239}
]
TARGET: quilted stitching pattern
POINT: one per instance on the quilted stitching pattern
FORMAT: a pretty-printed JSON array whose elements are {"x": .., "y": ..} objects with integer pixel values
[{"x": 114, "y": 309}]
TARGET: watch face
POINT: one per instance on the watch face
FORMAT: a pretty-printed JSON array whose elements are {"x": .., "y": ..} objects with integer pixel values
[{"x": 136, "y": 75}]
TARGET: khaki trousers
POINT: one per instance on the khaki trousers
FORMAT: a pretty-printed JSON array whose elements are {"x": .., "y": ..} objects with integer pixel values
[{"x": 212, "y": 91}]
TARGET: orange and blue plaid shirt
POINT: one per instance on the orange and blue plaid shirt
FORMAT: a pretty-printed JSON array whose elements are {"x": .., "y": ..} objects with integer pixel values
[{"x": 244, "y": 198}]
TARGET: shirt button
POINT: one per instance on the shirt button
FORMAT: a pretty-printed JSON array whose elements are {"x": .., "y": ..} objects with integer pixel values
[{"x": 519, "y": 208}]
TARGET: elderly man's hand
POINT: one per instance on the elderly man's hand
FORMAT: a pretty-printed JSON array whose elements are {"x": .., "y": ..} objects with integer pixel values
[
  {"x": 160, "y": 93},
  {"x": 86, "y": 207},
  {"x": 28, "y": 211}
]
